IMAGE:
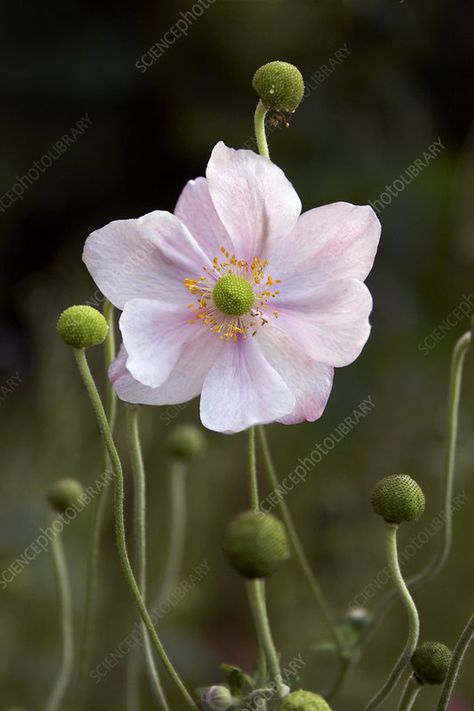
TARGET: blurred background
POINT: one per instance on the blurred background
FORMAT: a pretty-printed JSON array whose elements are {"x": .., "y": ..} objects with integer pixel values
[{"x": 396, "y": 77}]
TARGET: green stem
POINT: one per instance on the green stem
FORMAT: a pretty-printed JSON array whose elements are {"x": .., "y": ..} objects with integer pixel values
[
  {"x": 411, "y": 691},
  {"x": 178, "y": 515},
  {"x": 139, "y": 480},
  {"x": 455, "y": 381},
  {"x": 433, "y": 568},
  {"x": 301, "y": 558},
  {"x": 65, "y": 671},
  {"x": 98, "y": 523},
  {"x": 256, "y": 588},
  {"x": 120, "y": 521},
  {"x": 413, "y": 619},
  {"x": 252, "y": 465},
  {"x": 256, "y": 595},
  {"x": 260, "y": 133},
  {"x": 467, "y": 635}
]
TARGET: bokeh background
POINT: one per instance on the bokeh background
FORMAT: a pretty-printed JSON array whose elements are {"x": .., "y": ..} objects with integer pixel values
[{"x": 407, "y": 80}]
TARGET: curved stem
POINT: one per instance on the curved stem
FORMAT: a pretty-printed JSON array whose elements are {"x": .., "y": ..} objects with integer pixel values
[
  {"x": 120, "y": 522},
  {"x": 260, "y": 133},
  {"x": 139, "y": 481},
  {"x": 178, "y": 473},
  {"x": 301, "y": 558},
  {"x": 411, "y": 691},
  {"x": 433, "y": 568},
  {"x": 98, "y": 523},
  {"x": 467, "y": 635},
  {"x": 413, "y": 619},
  {"x": 455, "y": 381},
  {"x": 64, "y": 676}
]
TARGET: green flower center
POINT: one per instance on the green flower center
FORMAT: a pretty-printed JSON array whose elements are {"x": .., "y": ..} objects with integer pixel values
[{"x": 233, "y": 295}]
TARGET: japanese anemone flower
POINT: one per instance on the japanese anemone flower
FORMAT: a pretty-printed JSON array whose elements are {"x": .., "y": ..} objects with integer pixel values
[{"x": 238, "y": 296}]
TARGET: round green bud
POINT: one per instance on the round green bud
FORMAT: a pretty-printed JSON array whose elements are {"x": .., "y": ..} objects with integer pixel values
[
  {"x": 217, "y": 698},
  {"x": 82, "y": 327},
  {"x": 304, "y": 701},
  {"x": 279, "y": 85},
  {"x": 430, "y": 662},
  {"x": 255, "y": 544},
  {"x": 398, "y": 498},
  {"x": 233, "y": 295},
  {"x": 187, "y": 442},
  {"x": 64, "y": 493}
]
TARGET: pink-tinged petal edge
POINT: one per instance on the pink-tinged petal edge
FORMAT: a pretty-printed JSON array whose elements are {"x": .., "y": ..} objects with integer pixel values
[
  {"x": 309, "y": 381},
  {"x": 254, "y": 200},
  {"x": 336, "y": 241},
  {"x": 196, "y": 210},
  {"x": 329, "y": 322},
  {"x": 148, "y": 257},
  {"x": 242, "y": 389}
]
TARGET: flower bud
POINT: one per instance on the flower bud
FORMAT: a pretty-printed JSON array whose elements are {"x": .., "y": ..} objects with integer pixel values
[
  {"x": 431, "y": 662},
  {"x": 358, "y": 618},
  {"x": 279, "y": 85},
  {"x": 398, "y": 498},
  {"x": 187, "y": 442},
  {"x": 64, "y": 493},
  {"x": 304, "y": 701},
  {"x": 82, "y": 327},
  {"x": 256, "y": 544},
  {"x": 216, "y": 698}
]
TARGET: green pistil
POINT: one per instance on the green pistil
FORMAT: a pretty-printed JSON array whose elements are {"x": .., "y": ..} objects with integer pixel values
[{"x": 233, "y": 295}]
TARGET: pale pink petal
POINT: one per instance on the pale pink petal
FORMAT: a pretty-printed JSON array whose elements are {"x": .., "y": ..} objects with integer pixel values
[
  {"x": 255, "y": 201},
  {"x": 335, "y": 241},
  {"x": 184, "y": 382},
  {"x": 154, "y": 334},
  {"x": 242, "y": 389},
  {"x": 196, "y": 210},
  {"x": 329, "y": 320},
  {"x": 144, "y": 258},
  {"x": 309, "y": 381}
]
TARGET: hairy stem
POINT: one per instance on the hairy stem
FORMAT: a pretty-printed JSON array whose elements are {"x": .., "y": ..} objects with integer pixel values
[
  {"x": 413, "y": 619},
  {"x": 439, "y": 559},
  {"x": 467, "y": 635},
  {"x": 67, "y": 630},
  {"x": 98, "y": 523},
  {"x": 260, "y": 133},
  {"x": 298, "y": 550},
  {"x": 411, "y": 691},
  {"x": 139, "y": 480},
  {"x": 120, "y": 523}
]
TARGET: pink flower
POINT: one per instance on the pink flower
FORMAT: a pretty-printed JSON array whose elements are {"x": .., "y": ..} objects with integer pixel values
[{"x": 237, "y": 296}]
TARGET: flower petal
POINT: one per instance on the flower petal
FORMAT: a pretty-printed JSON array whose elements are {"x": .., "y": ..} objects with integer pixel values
[
  {"x": 154, "y": 335},
  {"x": 329, "y": 321},
  {"x": 184, "y": 382},
  {"x": 309, "y": 381},
  {"x": 242, "y": 389},
  {"x": 254, "y": 200},
  {"x": 196, "y": 210},
  {"x": 144, "y": 258},
  {"x": 336, "y": 241}
]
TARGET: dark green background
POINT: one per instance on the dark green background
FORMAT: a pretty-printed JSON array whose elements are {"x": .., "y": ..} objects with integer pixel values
[{"x": 407, "y": 81}]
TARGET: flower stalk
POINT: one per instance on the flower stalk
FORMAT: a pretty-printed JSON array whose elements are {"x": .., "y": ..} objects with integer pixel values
[
  {"x": 120, "y": 522},
  {"x": 411, "y": 691},
  {"x": 465, "y": 639},
  {"x": 413, "y": 619},
  {"x": 99, "y": 515},
  {"x": 67, "y": 629},
  {"x": 139, "y": 482}
]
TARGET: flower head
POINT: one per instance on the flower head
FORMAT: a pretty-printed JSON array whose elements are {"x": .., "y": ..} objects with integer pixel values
[{"x": 238, "y": 296}]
